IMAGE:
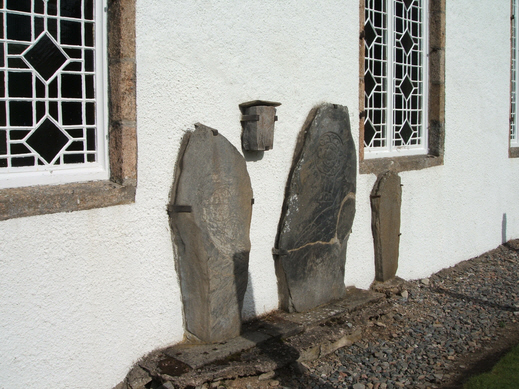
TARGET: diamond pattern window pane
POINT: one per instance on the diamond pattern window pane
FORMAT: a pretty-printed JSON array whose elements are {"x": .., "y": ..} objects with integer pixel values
[
  {"x": 408, "y": 3},
  {"x": 370, "y": 34},
  {"x": 405, "y": 133},
  {"x": 369, "y": 83},
  {"x": 406, "y": 87},
  {"x": 48, "y": 95},
  {"x": 45, "y": 57},
  {"x": 407, "y": 42},
  {"x": 47, "y": 140}
]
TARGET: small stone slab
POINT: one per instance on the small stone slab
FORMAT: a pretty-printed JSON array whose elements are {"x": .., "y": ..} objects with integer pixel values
[
  {"x": 391, "y": 287},
  {"x": 197, "y": 355},
  {"x": 210, "y": 213},
  {"x": 275, "y": 326},
  {"x": 386, "y": 201},
  {"x": 352, "y": 300},
  {"x": 318, "y": 212},
  {"x": 356, "y": 298}
]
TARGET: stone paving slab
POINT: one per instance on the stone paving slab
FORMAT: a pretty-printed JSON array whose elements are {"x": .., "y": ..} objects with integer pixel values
[
  {"x": 353, "y": 299},
  {"x": 274, "y": 325},
  {"x": 198, "y": 355}
]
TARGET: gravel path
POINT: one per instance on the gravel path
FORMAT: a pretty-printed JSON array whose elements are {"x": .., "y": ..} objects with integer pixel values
[{"x": 425, "y": 333}]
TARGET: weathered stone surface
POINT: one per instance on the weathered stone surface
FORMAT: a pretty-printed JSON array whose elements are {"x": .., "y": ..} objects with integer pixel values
[
  {"x": 318, "y": 212},
  {"x": 138, "y": 378},
  {"x": 198, "y": 355},
  {"x": 210, "y": 213},
  {"x": 257, "y": 122},
  {"x": 386, "y": 200}
]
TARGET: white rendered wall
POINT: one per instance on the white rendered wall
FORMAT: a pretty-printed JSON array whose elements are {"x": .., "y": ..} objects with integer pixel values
[{"x": 83, "y": 295}]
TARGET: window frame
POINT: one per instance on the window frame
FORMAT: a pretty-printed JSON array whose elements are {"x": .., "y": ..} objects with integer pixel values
[
  {"x": 435, "y": 99},
  {"x": 513, "y": 145},
  {"x": 120, "y": 188},
  {"x": 62, "y": 173}
]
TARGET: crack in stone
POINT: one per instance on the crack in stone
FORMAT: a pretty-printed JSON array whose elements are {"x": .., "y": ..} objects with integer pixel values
[
  {"x": 334, "y": 240},
  {"x": 349, "y": 196}
]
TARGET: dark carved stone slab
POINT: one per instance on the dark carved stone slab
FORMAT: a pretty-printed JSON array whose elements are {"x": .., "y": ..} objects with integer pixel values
[
  {"x": 210, "y": 213},
  {"x": 318, "y": 212},
  {"x": 386, "y": 200}
]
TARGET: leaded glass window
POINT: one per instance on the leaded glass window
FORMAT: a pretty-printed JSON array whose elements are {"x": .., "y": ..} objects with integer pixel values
[
  {"x": 514, "y": 141},
  {"x": 395, "y": 78},
  {"x": 52, "y": 91}
]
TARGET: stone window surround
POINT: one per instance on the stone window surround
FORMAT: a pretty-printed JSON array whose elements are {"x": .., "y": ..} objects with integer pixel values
[
  {"x": 436, "y": 127},
  {"x": 121, "y": 187}
]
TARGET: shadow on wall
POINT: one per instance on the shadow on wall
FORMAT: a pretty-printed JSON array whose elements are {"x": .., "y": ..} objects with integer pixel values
[
  {"x": 242, "y": 283},
  {"x": 248, "y": 311},
  {"x": 503, "y": 229}
]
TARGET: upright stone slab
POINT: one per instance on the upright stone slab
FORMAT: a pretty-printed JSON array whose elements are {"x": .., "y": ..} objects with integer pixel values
[
  {"x": 386, "y": 200},
  {"x": 210, "y": 213},
  {"x": 318, "y": 212}
]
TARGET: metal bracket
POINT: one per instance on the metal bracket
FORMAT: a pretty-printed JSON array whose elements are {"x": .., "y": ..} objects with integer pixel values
[
  {"x": 279, "y": 252},
  {"x": 250, "y": 118},
  {"x": 173, "y": 208}
]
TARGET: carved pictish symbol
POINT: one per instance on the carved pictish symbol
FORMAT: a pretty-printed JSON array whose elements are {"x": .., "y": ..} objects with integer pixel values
[
  {"x": 328, "y": 164},
  {"x": 329, "y": 154},
  {"x": 218, "y": 213}
]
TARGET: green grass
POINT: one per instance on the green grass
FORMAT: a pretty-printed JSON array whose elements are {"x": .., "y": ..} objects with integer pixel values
[{"x": 504, "y": 375}]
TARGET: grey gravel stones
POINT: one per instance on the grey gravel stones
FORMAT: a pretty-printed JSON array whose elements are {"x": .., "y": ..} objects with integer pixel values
[
  {"x": 318, "y": 212},
  {"x": 210, "y": 215},
  {"x": 386, "y": 200},
  {"x": 459, "y": 311}
]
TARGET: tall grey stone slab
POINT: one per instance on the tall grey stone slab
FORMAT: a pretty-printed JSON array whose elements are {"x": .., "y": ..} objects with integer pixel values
[
  {"x": 318, "y": 212},
  {"x": 210, "y": 213},
  {"x": 386, "y": 201}
]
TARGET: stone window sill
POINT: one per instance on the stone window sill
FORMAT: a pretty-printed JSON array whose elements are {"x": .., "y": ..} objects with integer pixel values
[
  {"x": 399, "y": 164},
  {"x": 45, "y": 199},
  {"x": 513, "y": 152}
]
